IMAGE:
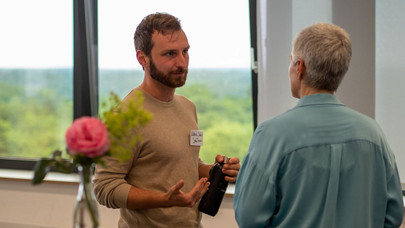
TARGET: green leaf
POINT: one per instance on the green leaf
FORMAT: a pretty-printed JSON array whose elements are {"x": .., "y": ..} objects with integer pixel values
[
  {"x": 64, "y": 166},
  {"x": 82, "y": 160},
  {"x": 41, "y": 168},
  {"x": 57, "y": 154}
]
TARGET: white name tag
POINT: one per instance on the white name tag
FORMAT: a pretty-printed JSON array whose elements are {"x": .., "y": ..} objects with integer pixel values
[{"x": 196, "y": 138}]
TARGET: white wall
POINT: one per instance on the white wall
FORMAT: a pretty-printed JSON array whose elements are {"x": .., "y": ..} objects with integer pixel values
[
  {"x": 51, "y": 205},
  {"x": 358, "y": 87},
  {"x": 375, "y": 81},
  {"x": 390, "y": 76},
  {"x": 282, "y": 20}
]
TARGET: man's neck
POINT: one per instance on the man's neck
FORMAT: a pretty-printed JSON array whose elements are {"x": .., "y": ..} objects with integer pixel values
[
  {"x": 306, "y": 91},
  {"x": 157, "y": 90}
]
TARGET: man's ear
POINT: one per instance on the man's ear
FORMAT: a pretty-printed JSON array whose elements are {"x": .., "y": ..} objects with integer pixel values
[
  {"x": 301, "y": 68},
  {"x": 142, "y": 59}
]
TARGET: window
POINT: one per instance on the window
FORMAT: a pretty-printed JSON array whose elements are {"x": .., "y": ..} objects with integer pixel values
[
  {"x": 36, "y": 62},
  {"x": 219, "y": 78},
  {"x": 37, "y": 82}
]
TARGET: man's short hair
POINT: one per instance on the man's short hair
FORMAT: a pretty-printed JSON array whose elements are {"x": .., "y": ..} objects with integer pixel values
[
  {"x": 326, "y": 51},
  {"x": 160, "y": 22}
]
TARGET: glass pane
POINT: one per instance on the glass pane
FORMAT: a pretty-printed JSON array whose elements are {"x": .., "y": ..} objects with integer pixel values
[
  {"x": 219, "y": 80},
  {"x": 36, "y": 76}
]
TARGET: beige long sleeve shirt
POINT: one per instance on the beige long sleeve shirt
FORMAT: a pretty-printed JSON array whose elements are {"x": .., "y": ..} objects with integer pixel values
[{"x": 163, "y": 157}]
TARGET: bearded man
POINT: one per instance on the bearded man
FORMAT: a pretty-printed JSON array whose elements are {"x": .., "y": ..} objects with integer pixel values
[{"x": 161, "y": 185}]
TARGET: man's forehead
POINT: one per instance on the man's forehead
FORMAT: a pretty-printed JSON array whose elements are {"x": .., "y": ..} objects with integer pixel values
[{"x": 169, "y": 37}]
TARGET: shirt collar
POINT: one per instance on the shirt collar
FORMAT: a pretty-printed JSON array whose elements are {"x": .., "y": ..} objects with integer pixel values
[{"x": 319, "y": 99}]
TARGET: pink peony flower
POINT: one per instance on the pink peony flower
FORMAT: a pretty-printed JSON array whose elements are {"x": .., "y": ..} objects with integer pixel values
[{"x": 87, "y": 136}]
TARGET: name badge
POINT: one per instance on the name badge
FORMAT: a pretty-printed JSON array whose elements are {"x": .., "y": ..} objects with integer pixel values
[{"x": 196, "y": 138}]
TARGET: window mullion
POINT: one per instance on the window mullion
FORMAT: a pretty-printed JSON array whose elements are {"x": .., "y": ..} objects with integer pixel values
[{"x": 85, "y": 79}]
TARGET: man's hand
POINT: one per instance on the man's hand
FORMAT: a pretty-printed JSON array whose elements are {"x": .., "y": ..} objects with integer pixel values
[
  {"x": 231, "y": 168},
  {"x": 176, "y": 197}
]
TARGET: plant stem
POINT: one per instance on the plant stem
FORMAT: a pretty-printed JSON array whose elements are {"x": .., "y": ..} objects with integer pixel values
[{"x": 87, "y": 192}]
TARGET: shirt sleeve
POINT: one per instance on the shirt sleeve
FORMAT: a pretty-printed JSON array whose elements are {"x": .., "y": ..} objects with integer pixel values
[
  {"x": 110, "y": 186},
  {"x": 395, "y": 203},
  {"x": 254, "y": 198},
  {"x": 200, "y": 162}
]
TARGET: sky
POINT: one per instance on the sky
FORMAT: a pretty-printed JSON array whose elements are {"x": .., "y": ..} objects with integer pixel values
[{"x": 39, "y": 34}]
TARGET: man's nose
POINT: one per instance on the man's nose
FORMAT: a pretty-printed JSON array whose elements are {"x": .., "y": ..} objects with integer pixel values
[{"x": 182, "y": 60}]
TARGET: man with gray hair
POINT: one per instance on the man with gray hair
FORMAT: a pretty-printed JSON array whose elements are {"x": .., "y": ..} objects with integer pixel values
[{"x": 320, "y": 164}]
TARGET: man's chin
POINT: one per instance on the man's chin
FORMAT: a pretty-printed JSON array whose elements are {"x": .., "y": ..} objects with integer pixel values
[
  {"x": 173, "y": 84},
  {"x": 172, "y": 80},
  {"x": 179, "y": 81},
  {"x": 179, "y": 84}
]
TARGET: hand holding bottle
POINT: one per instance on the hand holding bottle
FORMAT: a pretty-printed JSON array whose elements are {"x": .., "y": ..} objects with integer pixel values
[
  {"x": 224, "y": 170},
  {"x": 230, "y": 168}
]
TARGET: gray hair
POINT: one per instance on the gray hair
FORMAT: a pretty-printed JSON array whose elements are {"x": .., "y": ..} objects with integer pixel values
[{"x": 326, "y": 51}]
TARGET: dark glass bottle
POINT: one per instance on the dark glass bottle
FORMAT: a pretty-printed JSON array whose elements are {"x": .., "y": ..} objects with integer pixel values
[{"x": 211, "y": 201}]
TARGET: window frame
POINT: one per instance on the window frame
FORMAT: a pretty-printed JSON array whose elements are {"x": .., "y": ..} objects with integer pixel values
[{"x": 254, "y": 66}]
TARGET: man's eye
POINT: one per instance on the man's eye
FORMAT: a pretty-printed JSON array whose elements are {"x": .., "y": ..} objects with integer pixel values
[
  {"x": 170, "y": 53},
  {"x": 185, "y": 51}
]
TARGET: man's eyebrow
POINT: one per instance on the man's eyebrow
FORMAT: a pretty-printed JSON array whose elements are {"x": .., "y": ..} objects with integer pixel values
[
  {"x": 168, "y": 50},
  {"x": 174, "y": 49}
]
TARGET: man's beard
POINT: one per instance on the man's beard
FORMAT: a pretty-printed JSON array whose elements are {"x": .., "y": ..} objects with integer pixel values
[{"x": 166, "y": 79}]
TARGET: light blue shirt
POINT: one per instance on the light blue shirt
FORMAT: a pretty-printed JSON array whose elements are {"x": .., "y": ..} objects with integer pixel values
[{"x": 320, "y": 164}]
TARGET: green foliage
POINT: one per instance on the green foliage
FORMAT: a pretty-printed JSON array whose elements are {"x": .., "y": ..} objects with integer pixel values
[
  {"x": 43, "y": 166},
  {"x": 122, "y": 122},
  {"x": 231, "y": 139},
  {"x": 36, "y": 108},
  {"x": 226, "y": 122},
  {"x": 32, "y": 125}
]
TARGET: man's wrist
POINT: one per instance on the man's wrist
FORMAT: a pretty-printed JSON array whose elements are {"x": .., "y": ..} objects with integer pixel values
[{"x": 165, "y": 200}]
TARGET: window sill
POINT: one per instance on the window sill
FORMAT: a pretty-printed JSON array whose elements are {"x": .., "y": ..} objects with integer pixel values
[
  {"x": 26, "y": 175},
  {"x": 55, "y": 177},
  {"x": 230, "y": 191}
]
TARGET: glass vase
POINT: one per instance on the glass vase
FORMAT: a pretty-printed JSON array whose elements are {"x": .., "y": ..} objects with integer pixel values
[{"x": 86, "y": 212}]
